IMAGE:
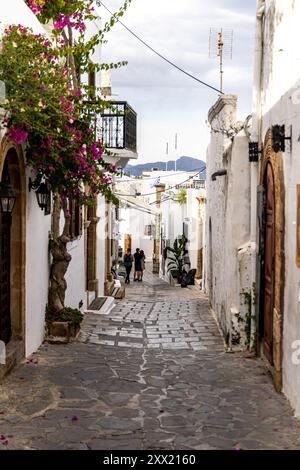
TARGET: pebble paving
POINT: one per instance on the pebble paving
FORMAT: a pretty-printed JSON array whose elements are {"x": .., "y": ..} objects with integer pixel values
[{"x": 151, "y": 375}]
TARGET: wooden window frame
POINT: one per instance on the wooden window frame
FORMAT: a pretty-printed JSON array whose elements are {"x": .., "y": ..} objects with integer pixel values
[{"x": 76, "y": 222}]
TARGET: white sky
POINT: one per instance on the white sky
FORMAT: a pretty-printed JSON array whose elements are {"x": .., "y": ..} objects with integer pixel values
[{"x": 166, "y": 100}]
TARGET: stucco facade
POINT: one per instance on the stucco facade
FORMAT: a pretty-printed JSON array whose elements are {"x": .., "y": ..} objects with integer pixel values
[
  {"x": 228, "y": 249},
  {"x": 30, "y": 259},
  {"x": 253, "y": 208},
  {"x": 277, "y": 93}
]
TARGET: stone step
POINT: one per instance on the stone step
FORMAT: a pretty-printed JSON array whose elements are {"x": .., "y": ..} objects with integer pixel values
[{"x": 101, "y": 305}]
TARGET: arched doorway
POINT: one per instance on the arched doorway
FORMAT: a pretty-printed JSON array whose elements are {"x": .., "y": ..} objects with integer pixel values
[
  {"x": 92, "y": 283},
  {"x": 5, "y": 255},
  {"x": 12, "y": 263},
  {"x": 272, "y": 261},
  {"x": 269, "y": 262}
]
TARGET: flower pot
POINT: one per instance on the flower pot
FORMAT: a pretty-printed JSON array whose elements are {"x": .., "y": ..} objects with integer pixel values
[{"x": 61, "y": 332}]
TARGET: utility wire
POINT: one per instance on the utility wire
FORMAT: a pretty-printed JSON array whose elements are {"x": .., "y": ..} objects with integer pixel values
[
  {"x": 100, "y": 3},
  {"x": 136, "y": 208},
  {"x": 137, "y": 179},
  {"x": 158, "y": 192}
]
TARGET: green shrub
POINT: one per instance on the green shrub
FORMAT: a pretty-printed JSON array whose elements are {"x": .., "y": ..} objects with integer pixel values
[{"x": 67, "y": 314}]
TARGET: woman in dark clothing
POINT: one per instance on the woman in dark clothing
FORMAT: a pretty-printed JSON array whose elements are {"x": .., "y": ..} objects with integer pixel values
[
  {"x": 137, "y": 265},
  {"x": 128, "y": 260}
]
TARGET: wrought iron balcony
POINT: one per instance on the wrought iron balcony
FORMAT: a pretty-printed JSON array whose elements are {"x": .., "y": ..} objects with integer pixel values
[{"x": 119, "y": 127}]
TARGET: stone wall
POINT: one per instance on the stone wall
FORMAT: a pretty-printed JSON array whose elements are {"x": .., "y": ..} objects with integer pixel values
[
  {"x": 280, "y": 104},
  {"x": 228, "y": 250}
]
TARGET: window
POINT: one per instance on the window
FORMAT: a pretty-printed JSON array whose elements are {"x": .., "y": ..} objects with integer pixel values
[{"x": 76, "y": 219}]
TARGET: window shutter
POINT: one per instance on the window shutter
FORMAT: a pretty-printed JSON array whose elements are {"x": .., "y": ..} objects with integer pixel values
[{"x": 78, "y": 220}]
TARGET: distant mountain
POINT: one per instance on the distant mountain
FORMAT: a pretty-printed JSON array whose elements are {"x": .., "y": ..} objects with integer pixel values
[{"x": 183, "y": 164}]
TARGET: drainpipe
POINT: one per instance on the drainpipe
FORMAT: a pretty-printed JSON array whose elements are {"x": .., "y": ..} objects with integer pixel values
[
  {"x": 256, "y": 136},
  {"x": 218, "y": 173}
]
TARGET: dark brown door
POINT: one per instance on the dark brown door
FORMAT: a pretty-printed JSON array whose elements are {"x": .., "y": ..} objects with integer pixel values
[
  {"x": 5, "y": 318},
  {"x": 269, "y": 263},
  {"x": 127, "y": 243}
]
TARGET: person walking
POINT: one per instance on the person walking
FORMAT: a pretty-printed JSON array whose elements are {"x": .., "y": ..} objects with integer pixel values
[
  {"x": 186, "y": 261},
  {"x": 128, "y": 260},
  {"x": 137, "y": 265},
  {"x": 143, "y": 263}
]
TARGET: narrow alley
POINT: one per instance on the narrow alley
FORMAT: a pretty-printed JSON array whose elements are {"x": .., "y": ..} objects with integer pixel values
[{"x": 152, "y": 374}]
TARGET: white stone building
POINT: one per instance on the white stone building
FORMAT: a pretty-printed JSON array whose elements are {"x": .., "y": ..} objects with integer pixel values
[
  {"x": 253, "y": 216},
  {"x": 277, "y": 103},
  {"x": 228, "y": 250},
  {"x": 154, "y": 226},
  {"x": 25, "y": 259}
]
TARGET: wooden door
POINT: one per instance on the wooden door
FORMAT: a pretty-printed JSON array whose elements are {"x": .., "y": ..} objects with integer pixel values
[
  {"x": 5, "y": 318},
  {"x": 269, "y": 274},
  {"x": 127, "y": 243}
]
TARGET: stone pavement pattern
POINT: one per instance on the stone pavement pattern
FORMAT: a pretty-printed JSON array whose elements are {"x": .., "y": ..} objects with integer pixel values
[{"x": 151, "y": 375}]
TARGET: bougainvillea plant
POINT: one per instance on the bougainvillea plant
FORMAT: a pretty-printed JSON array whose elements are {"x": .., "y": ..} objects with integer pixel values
[
  {"x": 44, "y": 110},
  {"x": 49, "y": 110}
]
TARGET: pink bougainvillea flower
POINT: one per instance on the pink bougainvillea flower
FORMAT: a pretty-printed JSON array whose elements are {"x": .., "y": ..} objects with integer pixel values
[
  {"x": 32, "y": 361},
  {"x": 18, "y": 135}
]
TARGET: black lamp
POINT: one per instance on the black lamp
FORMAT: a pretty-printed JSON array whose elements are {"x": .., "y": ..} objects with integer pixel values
[
  {"x": 43, "y": 195},
  {"x": 7, "y": 197},
  {"x": 279, "y": 138}
]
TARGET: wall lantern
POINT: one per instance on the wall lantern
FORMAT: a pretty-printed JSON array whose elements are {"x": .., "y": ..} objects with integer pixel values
[
  {"x": 254, "y": 151},
  {"x": 7, "y": 197},
  {"x": 279, "y": 138},
  {"x": 43, "y": 196}
]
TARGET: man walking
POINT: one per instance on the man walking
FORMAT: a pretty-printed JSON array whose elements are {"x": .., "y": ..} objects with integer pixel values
[{"x": 128, "y": 260}]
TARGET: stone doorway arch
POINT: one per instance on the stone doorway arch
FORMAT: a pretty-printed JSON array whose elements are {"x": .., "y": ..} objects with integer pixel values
[
  {"x": 272, "y": 164},
  {"x": 12, "y": 158}
]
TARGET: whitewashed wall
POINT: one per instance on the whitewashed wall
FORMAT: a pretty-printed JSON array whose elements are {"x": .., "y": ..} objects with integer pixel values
[
  {"x": 133, "y": 223},
  {"x": 227, "y": 247},
  {"x": 37, "y": 272},
  {"x": 17, "y": 12},
  {"x": 75, "y": 275},
  {"x": 37, "y": 275},
  {"x": 280, "y": 102},
  {"x": 101, "y": 244},
  {"x": 216, "y": 281}
]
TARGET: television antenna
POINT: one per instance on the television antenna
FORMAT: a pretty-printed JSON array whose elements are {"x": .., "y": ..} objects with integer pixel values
[{"x": 221, "y": 45}]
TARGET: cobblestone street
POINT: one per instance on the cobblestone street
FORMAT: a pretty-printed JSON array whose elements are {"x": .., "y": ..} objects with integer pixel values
[{"x": 152, "y": 374}]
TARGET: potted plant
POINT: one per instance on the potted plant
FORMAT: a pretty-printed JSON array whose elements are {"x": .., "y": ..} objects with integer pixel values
[
  {"x": 175, "y": 259},
  {"x": 63, "y": 326}
]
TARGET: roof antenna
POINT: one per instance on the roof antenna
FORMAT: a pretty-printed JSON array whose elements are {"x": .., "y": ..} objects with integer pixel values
[{"x": 221, "y": 45}]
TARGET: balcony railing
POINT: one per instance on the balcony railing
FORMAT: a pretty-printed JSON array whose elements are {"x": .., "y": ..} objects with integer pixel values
[
  {"x": 119, "y": 126},
  {"x": 196, "y": 184}
]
